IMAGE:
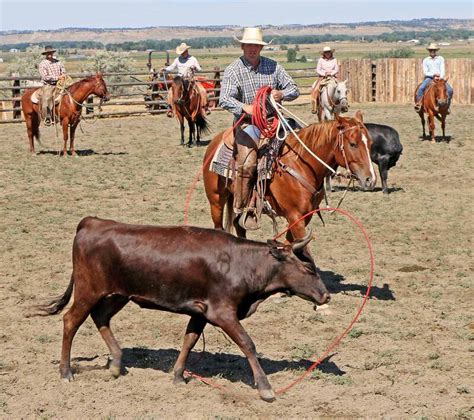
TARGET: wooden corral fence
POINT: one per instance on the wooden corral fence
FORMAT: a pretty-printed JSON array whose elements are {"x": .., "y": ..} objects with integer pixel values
[{"x": 384, "y": 80}]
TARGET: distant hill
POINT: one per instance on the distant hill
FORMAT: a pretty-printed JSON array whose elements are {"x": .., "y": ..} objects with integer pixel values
[{"x": 121, "y": 35}]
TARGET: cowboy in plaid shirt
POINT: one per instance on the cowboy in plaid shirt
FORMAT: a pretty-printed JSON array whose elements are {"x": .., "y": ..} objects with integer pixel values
[
  {"x": 51, "y": 70},
  {"x": 241, "y": 81}
]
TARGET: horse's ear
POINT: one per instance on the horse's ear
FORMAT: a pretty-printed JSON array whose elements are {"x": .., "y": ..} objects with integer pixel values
[
  {"x": 345, "y": 81},
  {"x": 447, "y": 78},
  {"x": 359, "y": 117}
]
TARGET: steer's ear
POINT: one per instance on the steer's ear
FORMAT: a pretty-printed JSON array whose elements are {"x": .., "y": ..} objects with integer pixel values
[
  {"x": 359, "y": 117},
  {"x": 278, "y": 250}
]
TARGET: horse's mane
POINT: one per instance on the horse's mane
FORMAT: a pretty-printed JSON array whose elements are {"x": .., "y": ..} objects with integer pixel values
[
  {"x": 315, "y": 135},
  {"x": 76, "y": 85}
]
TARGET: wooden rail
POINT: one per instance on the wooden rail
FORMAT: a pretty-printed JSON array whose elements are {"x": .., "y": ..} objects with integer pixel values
[{"x": 383, "y": 80}]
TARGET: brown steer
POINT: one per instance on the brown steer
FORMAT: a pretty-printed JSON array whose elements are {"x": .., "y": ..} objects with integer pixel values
[{"x": 207, "y": 274}]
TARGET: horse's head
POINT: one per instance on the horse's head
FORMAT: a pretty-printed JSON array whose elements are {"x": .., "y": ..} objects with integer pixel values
[
  {"x": 100, "y": 88},
  {"x": 340, "y": 96},
  {"x": 353, "y": 150},
  {"x": 440, "y": 92},
  {"x": 182, "y": 88}
]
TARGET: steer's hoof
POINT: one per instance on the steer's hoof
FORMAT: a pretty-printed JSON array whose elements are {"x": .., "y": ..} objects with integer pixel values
[
  {"x": 115, "y": 370},
  {"x": 267, "y": 395},
  {"x": 67, "y": 377},
  {"x": 179, "y": 380}
]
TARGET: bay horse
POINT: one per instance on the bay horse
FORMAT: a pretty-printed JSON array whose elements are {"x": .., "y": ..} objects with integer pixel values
[
  {"x": 436, "y": 104},
  {"x": 340, "y": 142},
  {"x": 67, "y": 112},
  {"x": 187, "y": 105},
  {"x": 331, "y": 100}
]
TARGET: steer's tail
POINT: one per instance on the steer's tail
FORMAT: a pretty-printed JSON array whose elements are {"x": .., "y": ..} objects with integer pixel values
[{"x": 55, "y": 306}]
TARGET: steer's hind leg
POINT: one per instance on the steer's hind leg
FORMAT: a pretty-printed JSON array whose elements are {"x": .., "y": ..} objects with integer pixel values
[
  {"x": 102, "y": 314},
  {"x": 73, "y": 319},
  {"x": 236, "y": 332},
  {"x": 193, "y": 332}
]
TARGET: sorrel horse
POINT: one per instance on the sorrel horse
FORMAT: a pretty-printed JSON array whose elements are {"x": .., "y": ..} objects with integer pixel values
[
  {"x": 436, "y": 104},
  {"x": 331, "y": 100},
  {"x": 343, "y": 141},
  {"x": 67, "y": 111},
  {"x": 187, "y": 105}
]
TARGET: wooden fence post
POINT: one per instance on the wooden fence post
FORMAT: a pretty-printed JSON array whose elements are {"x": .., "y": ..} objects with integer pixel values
[{"x": 16, "y": 93}]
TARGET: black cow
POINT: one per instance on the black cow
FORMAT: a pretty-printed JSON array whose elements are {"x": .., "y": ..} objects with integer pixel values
[
  {"x": 386, "y": 149},
  {"x": 207, "y": 274}
]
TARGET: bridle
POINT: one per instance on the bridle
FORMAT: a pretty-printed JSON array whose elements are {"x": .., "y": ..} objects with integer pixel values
[{"x": 332, "y": 103}]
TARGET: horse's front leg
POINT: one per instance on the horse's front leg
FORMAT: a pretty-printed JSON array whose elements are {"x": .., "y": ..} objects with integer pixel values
[
  {"x": 443, "y": 125},
  {"x": 191, "y": 132},
  {"x": 65, "y": 124},
  {"x": 431, "y": 123},
  {"x": 30, "y": 130},
  {"x": 422, "y": 117},
  {"x": 72, "y": 134}
]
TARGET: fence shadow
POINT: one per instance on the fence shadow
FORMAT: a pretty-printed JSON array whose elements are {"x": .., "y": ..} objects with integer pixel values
[
  {"x": 335, "y": 284},
  {"x": 81, "y": 153}
]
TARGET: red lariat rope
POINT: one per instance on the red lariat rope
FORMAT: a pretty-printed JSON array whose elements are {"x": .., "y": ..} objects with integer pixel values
[{"x": 260, "y": 113}]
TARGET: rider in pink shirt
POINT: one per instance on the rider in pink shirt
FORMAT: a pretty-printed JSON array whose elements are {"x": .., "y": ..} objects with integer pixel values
[{"x": 327, "y": 68}]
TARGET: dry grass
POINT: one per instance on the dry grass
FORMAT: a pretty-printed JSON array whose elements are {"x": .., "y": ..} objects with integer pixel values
[{"x": 409, "y": 356}]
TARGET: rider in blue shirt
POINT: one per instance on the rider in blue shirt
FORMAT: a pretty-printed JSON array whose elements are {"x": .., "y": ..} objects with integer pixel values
[{"x": 433, "y": 69}]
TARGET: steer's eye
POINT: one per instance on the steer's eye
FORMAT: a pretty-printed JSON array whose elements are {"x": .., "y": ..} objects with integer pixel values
[{"x": 353, "y": 145}]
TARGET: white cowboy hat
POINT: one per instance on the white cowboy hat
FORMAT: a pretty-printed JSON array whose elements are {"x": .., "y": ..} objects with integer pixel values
[
  {"x": 252, "y": 36},
  {"x": 327, "y": 48},
  {"x": 433, "y": 46},
  {"x": 48, "y": 49},
  {"x": 180, "y": 49}
]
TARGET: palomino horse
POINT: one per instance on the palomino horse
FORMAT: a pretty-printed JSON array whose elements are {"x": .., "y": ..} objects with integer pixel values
[
  {"x": 67, "y": 111},
  {"x": 332, "y": 99},
  {"x": 296, "y": 187},
  {"x": 187, "y": 105},
  {"x": 436, "y": 104}
]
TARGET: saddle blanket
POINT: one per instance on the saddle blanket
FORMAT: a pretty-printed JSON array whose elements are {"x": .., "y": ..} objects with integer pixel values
[{"x": 221, "y": 162}]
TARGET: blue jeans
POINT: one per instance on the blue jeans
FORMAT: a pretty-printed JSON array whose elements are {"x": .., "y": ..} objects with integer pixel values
[{"x": 426, "y": 82}]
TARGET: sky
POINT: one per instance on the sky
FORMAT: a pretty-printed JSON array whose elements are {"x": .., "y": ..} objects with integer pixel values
[{"x": 55, "y": 14}]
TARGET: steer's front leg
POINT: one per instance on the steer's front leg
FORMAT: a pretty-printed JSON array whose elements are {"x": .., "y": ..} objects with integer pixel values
[{"x": 236, "y": 332}]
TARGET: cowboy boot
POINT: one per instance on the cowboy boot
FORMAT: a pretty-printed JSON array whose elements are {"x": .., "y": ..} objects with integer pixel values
[{"x": 242, "y": 189}]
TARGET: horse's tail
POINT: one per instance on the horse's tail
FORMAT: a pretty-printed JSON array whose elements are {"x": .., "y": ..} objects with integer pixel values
[
  {"x": 202, "y": 124},
  {"x": 54, "y": 306},
  {"x": 230, "y": 215}
]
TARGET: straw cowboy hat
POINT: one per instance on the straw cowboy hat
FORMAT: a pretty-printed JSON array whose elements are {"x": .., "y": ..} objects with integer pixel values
[
  {"x": 433, "y": 46},
  {"x": 252, "y": 36},
  {"x": 48, "y": 49},
  {"x": 327, "y": 48},
  {"x": 180, "y": 49}
]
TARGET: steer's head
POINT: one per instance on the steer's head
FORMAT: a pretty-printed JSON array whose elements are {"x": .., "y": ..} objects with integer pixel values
[{"x": 297, "y": 273}]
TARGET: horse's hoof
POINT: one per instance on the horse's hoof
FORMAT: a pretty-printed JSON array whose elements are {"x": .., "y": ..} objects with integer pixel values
[
  {"x": 115, "y": 370},
  {"x": 267, "y": 395},
  {"x": 67, "y": 377}
]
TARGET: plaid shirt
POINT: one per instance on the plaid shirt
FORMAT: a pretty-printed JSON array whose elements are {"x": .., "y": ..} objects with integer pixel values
[
  {"x": 50, "y": 71},
  {"x": 241, "y": 83}
]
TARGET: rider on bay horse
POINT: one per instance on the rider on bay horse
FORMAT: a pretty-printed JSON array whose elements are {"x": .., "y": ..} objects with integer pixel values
[
  {"x": 186, "y": 64},
  {"x": 326, "y": 69},
  {"x": 433, "y": 69},
  {"x": 242, "y": 79},
  {"x": 51, "y": 71}
]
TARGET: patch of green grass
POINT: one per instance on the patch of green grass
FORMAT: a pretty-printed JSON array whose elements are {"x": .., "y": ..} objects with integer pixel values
[
  {"x": 302, "y": 351},
  {"x": 355, "y": 332}
]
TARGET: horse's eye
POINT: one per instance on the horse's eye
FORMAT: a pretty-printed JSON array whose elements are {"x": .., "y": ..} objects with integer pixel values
[{"x": 353, "y": 145}]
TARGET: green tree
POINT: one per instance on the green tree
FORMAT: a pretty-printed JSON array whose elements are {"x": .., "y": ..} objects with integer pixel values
[{"x": 291, "y": 55}]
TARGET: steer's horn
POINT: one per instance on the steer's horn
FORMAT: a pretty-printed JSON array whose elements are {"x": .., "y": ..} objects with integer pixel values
[{"x": 303, "y": 242}]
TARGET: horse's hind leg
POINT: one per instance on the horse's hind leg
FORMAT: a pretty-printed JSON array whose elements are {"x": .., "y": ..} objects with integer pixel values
[
  {"x": 192, "y": 134},
  {"x": 193, "y": 332},
  {"x": 72, "y": 134},
  {"x": 422, "y": 117},
  {"x": 102, "y": 314},
  {"x": 65, "y": 125}
]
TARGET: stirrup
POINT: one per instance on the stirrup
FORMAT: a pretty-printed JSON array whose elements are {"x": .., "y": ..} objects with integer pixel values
[
  {"x": 248, "y": 220},
  {"x": 417, "y": 107}
]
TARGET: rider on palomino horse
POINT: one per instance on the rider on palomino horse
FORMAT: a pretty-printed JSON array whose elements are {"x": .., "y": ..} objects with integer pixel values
[
  {"x": 51, "y": 71},
  {"x": 433, "y": 69},
  {"x": 326, "y": 69},
  {"x": 242, "y": 79},
  {"x": 186, "y": 64}
]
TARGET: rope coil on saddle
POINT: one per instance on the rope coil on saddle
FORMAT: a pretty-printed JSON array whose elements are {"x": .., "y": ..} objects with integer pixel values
[{"x": 261, "y": 117}]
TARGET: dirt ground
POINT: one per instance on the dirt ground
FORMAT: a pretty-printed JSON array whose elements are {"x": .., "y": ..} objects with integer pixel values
[{"x": 410, "y": 355}]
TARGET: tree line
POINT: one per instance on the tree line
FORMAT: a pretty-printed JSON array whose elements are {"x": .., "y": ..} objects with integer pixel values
[{"x": 216, "y": 42}]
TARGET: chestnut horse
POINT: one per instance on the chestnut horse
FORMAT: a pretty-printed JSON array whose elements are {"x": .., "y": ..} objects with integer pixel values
[
  {"x": 187, "y": 105},
  {"x": 436, "y": 104},
  {"x": 343, "y": 141},
  {"x": 67, "y": 111}
]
